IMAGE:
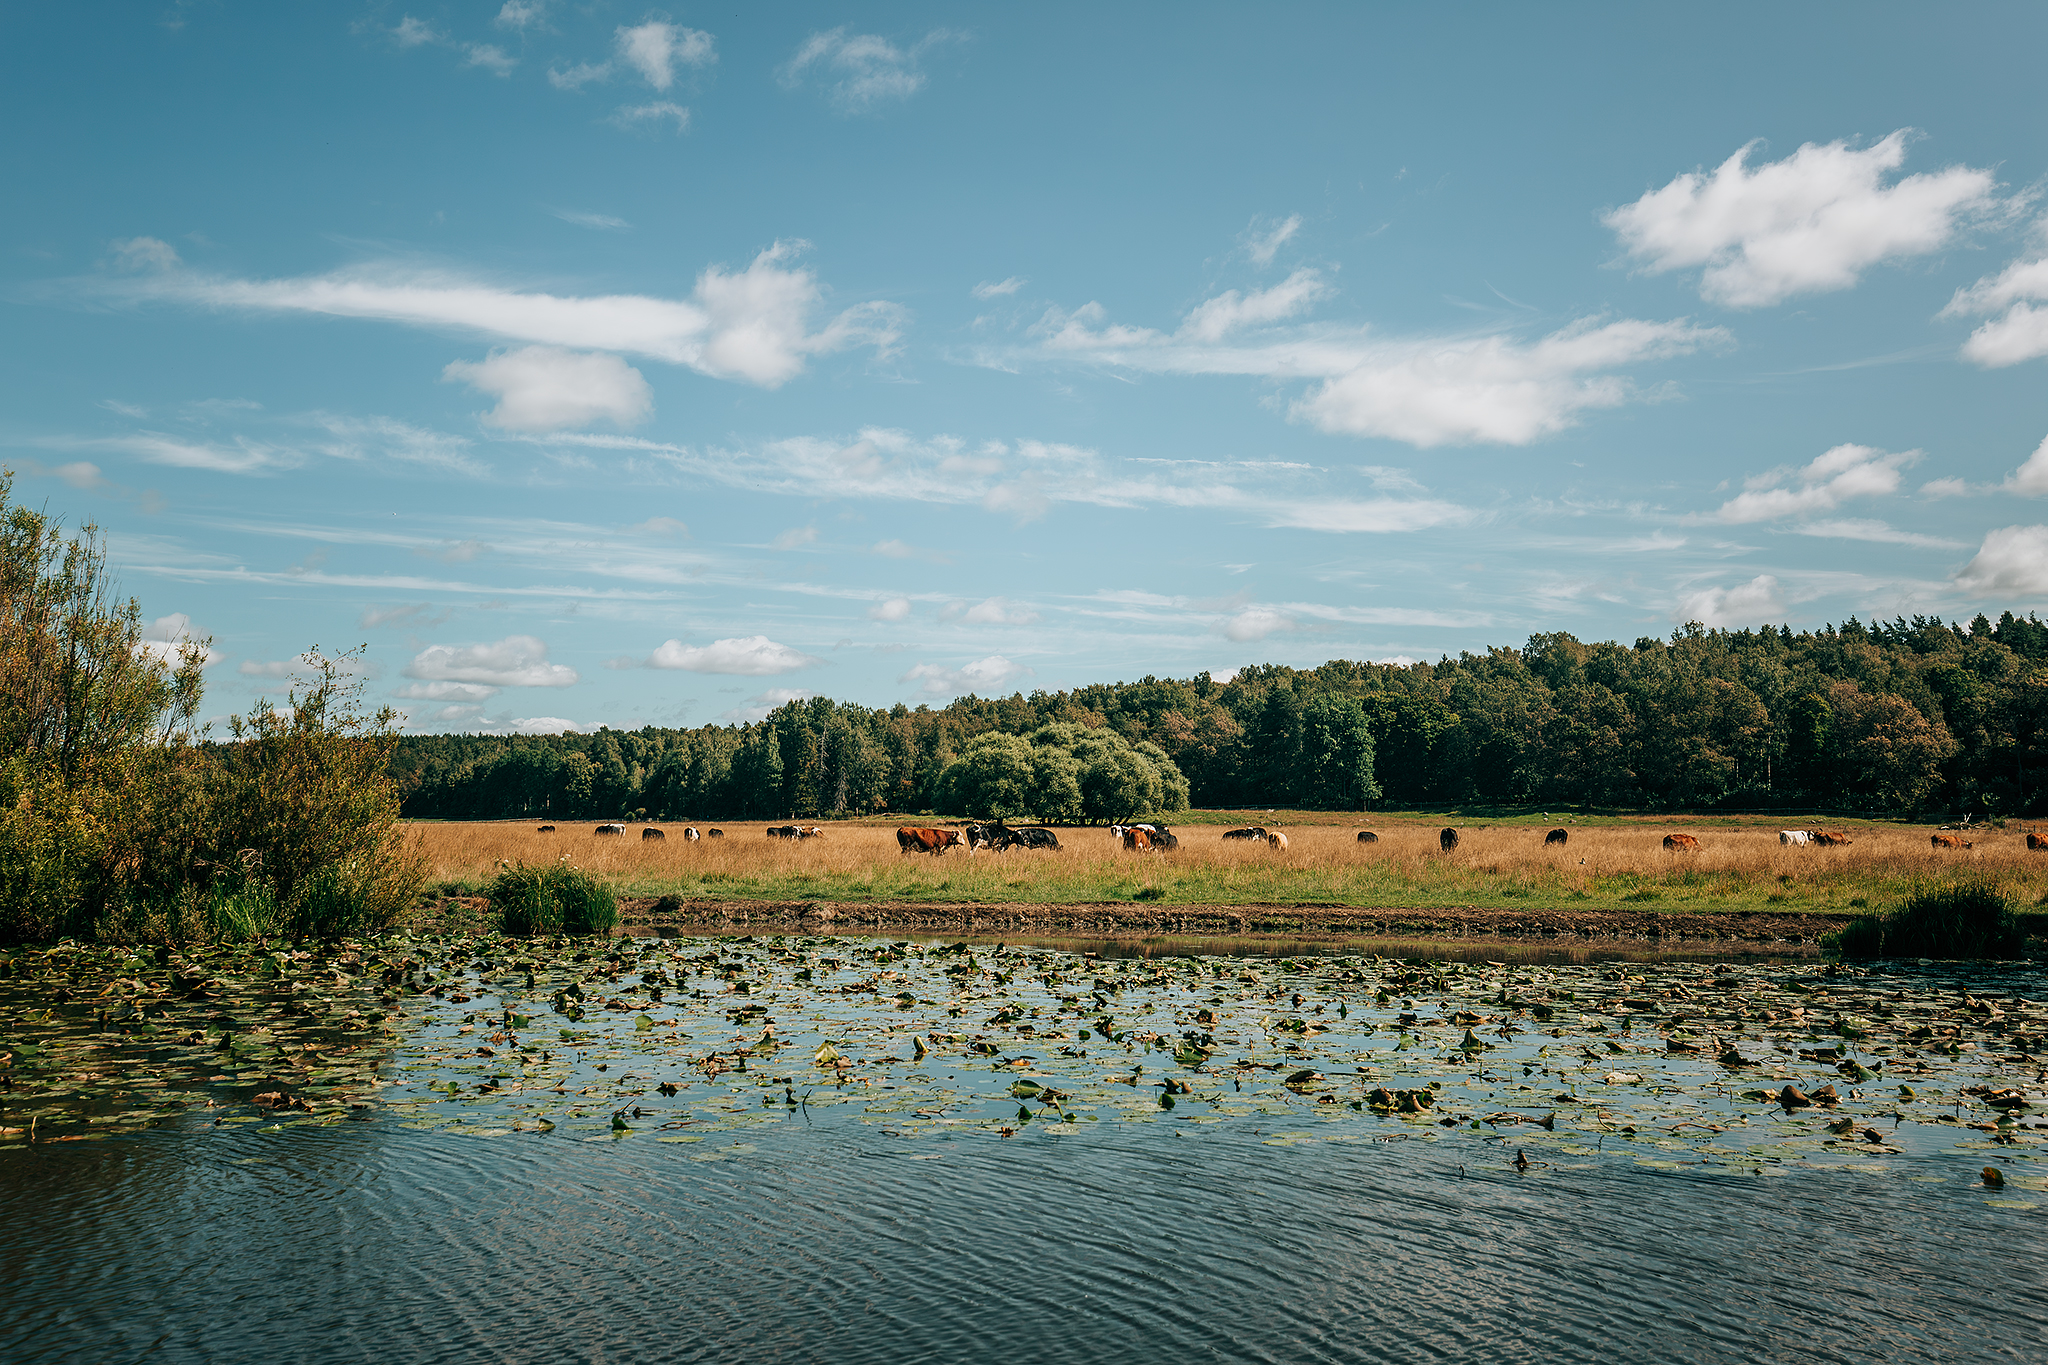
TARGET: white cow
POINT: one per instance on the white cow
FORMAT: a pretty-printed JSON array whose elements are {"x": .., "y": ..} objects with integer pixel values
[
  {"x": 1794, "y": 836},
  {"x": 690, "y": 833}
]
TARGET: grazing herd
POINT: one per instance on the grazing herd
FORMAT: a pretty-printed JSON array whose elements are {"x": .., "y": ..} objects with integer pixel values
[{"x": 997, "y": 837}]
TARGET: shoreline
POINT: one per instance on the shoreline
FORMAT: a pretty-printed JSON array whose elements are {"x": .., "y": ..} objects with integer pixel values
[{"x": 1745, "y": 930}]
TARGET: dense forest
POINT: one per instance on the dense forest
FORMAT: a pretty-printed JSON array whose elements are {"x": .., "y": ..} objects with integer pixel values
[{"x": 1911, "y": 716}]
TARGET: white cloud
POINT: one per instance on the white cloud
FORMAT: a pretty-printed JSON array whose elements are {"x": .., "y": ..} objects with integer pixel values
[
  {"x": 415, "y": 614},
  {"x": 454, "y": 551},
  {"x": 579, "y": 75},
  {"x": 241, "y": 456},
  {"x": 751, "y": 325},
  {"x": 490, "y": 57},
  {"x": 1946, "y": 488},
  {"x": 521, "y": 15},
  {"x": 796, "y": 537},
  {"x": 359, "y": 438},
  {"x": 660, "y": 526},
  {"x": 145, "y": 253},
  {"x": 895, "y": 549},
  {"x": 411, "y": 32},
  {"x": 998, "y": 611},
  {"x": 165, "y": 639},
  {"x": 515, "y": 661},
  {"x": 999, "y": 288},
  {"x": 1222, "y": 676},
  {"x": 305, "y": 666},
  {"x": 1216, "y": 318},
  {"x": 2022, "y": 333},
  {"x": 655, "y": 49},
  {"x": 2012, "y": 562},
  {"x": 988, "y": 676},
  {"x": 660, "y": 111},
  {"x": 752, "y": 656},
  {"x": 1808, "y": 224},
  {"x": 1264, "y": 238},
  {"x": 1844, "y": 472},
  {"x": 546, "y": 388},
  {"x": 1256, "y": 623},
  {"x": 1426, "y": 391},
  {"x": 603, "y": 222},
  {"x": 445, "y": 691},
  {"x": 860, "y": 71},
  {"x": 1754, "y": 603},
  {"x": 2031, "y": 479},
  {"x": 757, "y": 707},
  {"x": 894, "y": 609},
  {"x": 541, "y": 725},
  {"x": 1860, "y": 528}
]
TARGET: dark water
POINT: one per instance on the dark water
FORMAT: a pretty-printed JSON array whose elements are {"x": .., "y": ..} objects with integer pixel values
[{"x": 366, "y": 1241}]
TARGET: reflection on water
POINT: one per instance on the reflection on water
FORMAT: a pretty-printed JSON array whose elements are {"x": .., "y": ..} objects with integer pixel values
[
  {"x": 1496, "y": 951},
  {"x": 832, "y": 1243},
  {"x": 873, "y": 1150}
]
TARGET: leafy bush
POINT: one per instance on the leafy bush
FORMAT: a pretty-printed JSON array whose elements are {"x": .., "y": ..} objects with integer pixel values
[
  {"x": 1966, "y": 920},
  {"x": 531, "y": 899}
]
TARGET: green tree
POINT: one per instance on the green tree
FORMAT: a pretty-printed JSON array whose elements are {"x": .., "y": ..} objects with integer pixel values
[{"x": 1336, "y": 754}]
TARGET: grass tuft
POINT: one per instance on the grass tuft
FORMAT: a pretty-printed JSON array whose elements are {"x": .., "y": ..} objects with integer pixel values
[
  {"x": 534, "y": 899},
  {"x": 1968, "y": 920}
]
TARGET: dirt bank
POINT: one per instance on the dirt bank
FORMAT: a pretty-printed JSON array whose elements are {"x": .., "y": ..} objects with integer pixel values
[{"x": 1119, "y": 919}]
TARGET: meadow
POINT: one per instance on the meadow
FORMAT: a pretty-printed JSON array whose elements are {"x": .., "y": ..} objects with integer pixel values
[{"x": 1607, "y": 864}]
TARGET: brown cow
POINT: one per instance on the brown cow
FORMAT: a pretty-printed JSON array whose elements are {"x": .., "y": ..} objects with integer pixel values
[
  {"x": 2036, "y": 842},
  {"x": 1681, "y": 843},
  {"x": 1366, "y": 836},
  {"x": 1275, "y": 839},
  {"x": 1556, "y": 836},
  {"x": 1137, "y": 840},
  {"x": 1447, "y": 839},
  {"x": 1828, "y": 838},
  {"x": 910, "y": 839},
  {"x": 1941, "y": 841}
]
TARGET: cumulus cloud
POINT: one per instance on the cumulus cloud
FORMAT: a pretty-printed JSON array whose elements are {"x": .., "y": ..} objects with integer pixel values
[
  {"x": 166, "y": 638},
  {"x": 750, "y": 656},
  {"x": 1264, "y": 238},
  {"x": 520, "y": 15},
  {"x": 999, "y": 288},
  {"x": 1256, "y": 623},
  {"x": 490, "y": 57},
  {"x": 2021, "y": 332},
  {"x": 411, "y": 32},
  {"x": 752, "y": 325},
  {"x": 1844, "y": 472},
  {"x": 1490, "y": 388},
  {"x": 998, "y": 611},
  {"x": 445, "y": 691},
  {"x": 655, "y": 50},
  {"x": 546, "y": 388},
  {"x": 651, "y": 115},
  {"x": 515, "y": 661},
  {"x": 1811, "y": 223},
  {"x": 893, "y": 609},
  {"x": 796, "y": 537},
  {"x": 1746, "y": 604},
  {"x": 758, "y": 706},
  {"x": 990, "y": 675},
  {"x": 859, "y": 71},
  {"x": 660, "y": 526},
  {"x": 2012, "y": 562},
  {"x": 579, "y": 75},
  {"x": 2031, "y": 479}
]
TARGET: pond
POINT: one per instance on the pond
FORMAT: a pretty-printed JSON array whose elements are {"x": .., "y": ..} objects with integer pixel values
[{"x": 849, "y": 1149}]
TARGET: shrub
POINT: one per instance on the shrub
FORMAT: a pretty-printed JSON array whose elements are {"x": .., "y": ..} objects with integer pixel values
[
  {"x": 530, "y": 899},
  {"x": 1971, "y": 919}
]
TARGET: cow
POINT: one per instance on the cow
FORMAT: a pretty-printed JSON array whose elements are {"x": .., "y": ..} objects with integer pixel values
[
  {"x": 810, "y": 831},
  {"x": 690, "y": 834},
  {"x": 2036, "y": 844},
  {"x": 1035, "y": 838},
  {"x": 910, "y": 839},
  {"x": 1556, "y": 836},
  {"x": 545, "y": 829},
  {"x": 1447, "y": 839},
  {"x": 1941, "y": 841},
  {"x": 714, "y": 834},
  {"x": 1277, "y": 840},
  {"x": 1681, "y": 843},
  {"x": 1828, "y": 838},
  {"x": 785, "y": 832},
  {"x": 1136, "y": 840},
  {"x": 616, "y": 830},
  {"x": 1161, "y": 837},
  {"x": 652, "y": 833},
  {"x": 996, "y": 836},
  {"x": 1116, "y": 834},
  {"x": 1248, "y": 832},
  {"x": 1794, "y": 838},
  {"x": 1366, "y": 836}
]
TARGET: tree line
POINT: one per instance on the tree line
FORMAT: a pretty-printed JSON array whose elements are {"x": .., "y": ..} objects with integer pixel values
[{"x": 1911, "y": 716}]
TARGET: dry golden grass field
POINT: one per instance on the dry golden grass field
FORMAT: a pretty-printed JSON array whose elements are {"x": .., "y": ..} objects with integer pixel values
[{"x": 1740, "y": 865}]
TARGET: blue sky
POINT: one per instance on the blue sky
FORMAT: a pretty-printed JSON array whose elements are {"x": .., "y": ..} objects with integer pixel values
[{"x": 598, "y": 364}]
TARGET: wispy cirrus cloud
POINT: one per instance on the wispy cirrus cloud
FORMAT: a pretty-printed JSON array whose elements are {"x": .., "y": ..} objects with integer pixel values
[
  {"x": 1811, "y": 223},
  {"x": 752, "y": 325},
  {"x": 859, "y": 72}
]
